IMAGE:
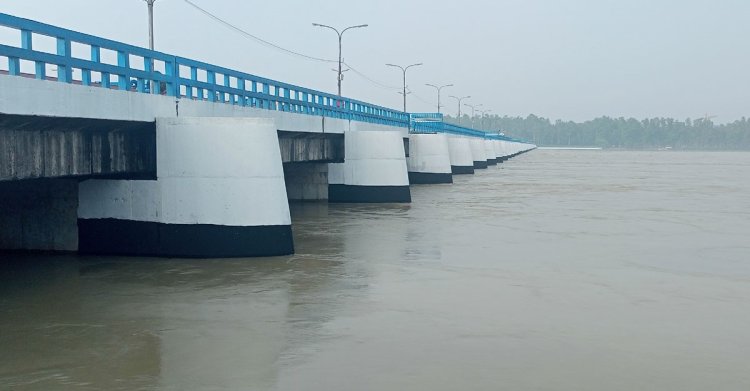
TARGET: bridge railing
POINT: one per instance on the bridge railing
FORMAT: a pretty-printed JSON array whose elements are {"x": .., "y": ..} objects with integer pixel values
[
  {"x": 433, "y": 123},
  {"x": 87, "y": 60}
]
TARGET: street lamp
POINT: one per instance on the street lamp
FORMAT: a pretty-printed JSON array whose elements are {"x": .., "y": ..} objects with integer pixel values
[
  {"x": 404, "y": 69},
  {"x": 459, "y": 104},
  {"x": 473, "y": 107},
  {"x": 150, "y": 3},
  {"x": 483, "y": 113},
  {"x": 340, "y": 73},
  {"x": 438, "y": 92}
]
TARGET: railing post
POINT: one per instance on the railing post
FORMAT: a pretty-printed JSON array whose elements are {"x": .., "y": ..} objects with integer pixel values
[
  {"x": 211, "y": 75},
  {"x": 152, "y": 84},
  {"x": 26, "y": 40},
  {"x": 123, "y": 61},
  {"x": 14, "y": 66},
  {"x": 96, "y": 56},
  {"x": 266, "y": 91},
  {"x": 194, "y": 77},
  {"x": 26, "y": 43},
  {"x": 288, "y": 97},
  {"x": 273, "y": 103},
  {"x": 254, "y": 88},
  {"x": 173, "y": 86},
  {"x": 64, "y": 72},
  {"x": 224, "y": 94},
  {"x": 241, "y": 86}
]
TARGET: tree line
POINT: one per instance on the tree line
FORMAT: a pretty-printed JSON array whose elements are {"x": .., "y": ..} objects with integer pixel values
[{"x": 607, "y": 132}]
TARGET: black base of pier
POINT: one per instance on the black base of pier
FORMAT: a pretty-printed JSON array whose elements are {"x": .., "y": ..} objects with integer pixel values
[
  {"x": 368, "y": 194},
  {"x": 461, "y": 170},
  {"x": 480, "y": 164},
  {"x": 143, "y": 238},
  {"x": 422, "y": 178},
  {"x": 492, "y": 162}
]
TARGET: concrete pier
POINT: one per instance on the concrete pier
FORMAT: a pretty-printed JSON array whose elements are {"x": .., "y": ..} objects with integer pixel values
[
  {"x": 374, "y": 169},
  {"x": 459, "y": 149},
  {"x": 478, "y": 153},
  {"x": 39, "y": 214},
  {"x": 429, "y": 159},
  {"x": 208, "y": 200},
  {"x": 489, "y": 149},
  {"x": 306, "y": 181}
]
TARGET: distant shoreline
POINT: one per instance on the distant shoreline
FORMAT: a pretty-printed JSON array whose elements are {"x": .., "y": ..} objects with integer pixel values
[
  {"x": 575, "y": 148},
  {"x": 640, "y": 149}
]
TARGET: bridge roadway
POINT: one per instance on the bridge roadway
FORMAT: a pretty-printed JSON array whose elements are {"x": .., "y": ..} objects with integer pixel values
[{"x": 203, "y": 166}]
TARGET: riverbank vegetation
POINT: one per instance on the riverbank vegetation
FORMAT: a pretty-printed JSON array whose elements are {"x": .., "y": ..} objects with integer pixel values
[{"x": 607, "y": 132}]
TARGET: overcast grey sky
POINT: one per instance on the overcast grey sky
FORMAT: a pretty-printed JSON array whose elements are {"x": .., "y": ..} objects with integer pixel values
[{"x": 568, "y": 59}]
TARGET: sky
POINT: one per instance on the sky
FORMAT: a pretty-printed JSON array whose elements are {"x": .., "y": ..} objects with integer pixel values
[{"x": 560, "y": 59}]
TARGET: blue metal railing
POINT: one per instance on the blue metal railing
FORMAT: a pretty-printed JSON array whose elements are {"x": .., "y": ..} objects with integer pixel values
[
  {"x": 433, "y": 123},
  {"x": 179, "y": 79},
  {"x": 426, "y": 116}
]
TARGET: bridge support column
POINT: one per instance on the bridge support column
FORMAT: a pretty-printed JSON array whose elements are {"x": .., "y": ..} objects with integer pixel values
[
  {"x": 374, "y": 169},
  {"x": 503, "y": 151},
  {"x": 489, "y": 150},
  {"x": 429, "y": 159},
  {"x": 306, "y": 181},
  {"x": 478, "y": 153},
  {"x": 219, "y": 192},
  {"x": 39, "y": 215},
  {"x": 459, "y": 149},
  {"x": 499, "y": 154},
  {"x": 512, "y": 150}
]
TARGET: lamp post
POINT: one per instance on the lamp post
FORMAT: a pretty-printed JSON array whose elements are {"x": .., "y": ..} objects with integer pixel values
[
  {"x": 340, "y": 34},
  {"x": 150, "y": 4},
  {"x": 404, "y": 69},
  {"x": 459, "y": 104},
  {"x": 473, "y": 107},
  {"x": 483, "y": 113},
  {"x": 438, "y": 92}
]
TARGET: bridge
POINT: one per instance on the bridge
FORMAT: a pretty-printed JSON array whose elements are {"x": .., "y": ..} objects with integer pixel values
[{"x": 130, "y": 151}]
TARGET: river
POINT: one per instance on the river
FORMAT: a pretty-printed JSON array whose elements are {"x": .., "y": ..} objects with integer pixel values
[{"x": 557, "y": 270}]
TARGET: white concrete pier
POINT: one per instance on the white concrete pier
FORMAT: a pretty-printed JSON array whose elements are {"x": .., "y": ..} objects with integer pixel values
[
  {"x": 209, "y": 198},
  {"x": 429, "y": 159},
  {"x": 374, "y": 169},
  {"x": 478, "y": 153},
  {"x": 460, "y": 155}
]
